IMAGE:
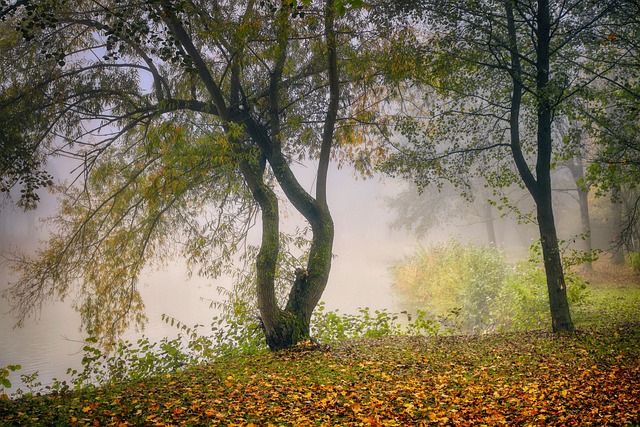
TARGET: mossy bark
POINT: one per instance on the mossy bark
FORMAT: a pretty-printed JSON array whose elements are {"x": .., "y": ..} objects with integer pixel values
[{"x": 285, "y": 327}]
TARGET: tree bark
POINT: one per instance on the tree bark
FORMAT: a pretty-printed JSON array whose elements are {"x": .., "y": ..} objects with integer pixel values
[
  {"x": 577, "y": 171},
  {"x": 285, "y": 328},
  {"x": 556, "y": 286},
  {"x": 616, "y": 241},
  {"x": 540, "y": 185},
  {"x": 558, "y": 303}
]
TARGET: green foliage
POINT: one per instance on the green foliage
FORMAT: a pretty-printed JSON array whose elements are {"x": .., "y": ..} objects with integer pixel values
[
  {"x": 228, "y": 336},
  {"x": 25, "y": 116},
  {"x": 120, "y": 221},
  {"x": 4, "y": 376},
  {"x": 489, "y": 293},
  {"x": 451, "y": 276},
  {"x": 231, "y": 338},
  {"x": 534, "y": 378},
  {"x": 331, "y": 326},
  {"x": 231, "y": 334},
  {"x": 634, "y": 260},
  {"x": 175, "y": 156},
  {"x": 614, "y": 301}
]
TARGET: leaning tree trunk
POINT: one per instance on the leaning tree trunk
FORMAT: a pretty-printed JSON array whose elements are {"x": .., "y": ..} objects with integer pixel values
[{"x": 285, "y": 328}]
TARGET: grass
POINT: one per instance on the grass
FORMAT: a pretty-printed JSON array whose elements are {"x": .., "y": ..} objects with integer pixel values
[
  {"x": 614, "y": 296},
  {"x": 591, "y": 378}
]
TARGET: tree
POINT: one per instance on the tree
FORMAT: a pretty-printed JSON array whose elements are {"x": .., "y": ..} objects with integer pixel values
[
  {"x": 577, "y": 172},
  {"x": 187, "y": 116},
  {"x": 574, "y": 134},
  {"x": 611, "y": 113},
  {"x": 24, "y": 118},
  {"x": 422, "y": 212},
  {"x": 499, "y": 75}
]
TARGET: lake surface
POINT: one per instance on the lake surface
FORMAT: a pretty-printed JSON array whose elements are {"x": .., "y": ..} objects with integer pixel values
[
  {"x": 364, "y": 248},
  {"x": 52, "y": 342}
]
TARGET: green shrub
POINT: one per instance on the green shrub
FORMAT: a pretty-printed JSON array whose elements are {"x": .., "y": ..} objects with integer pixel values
[
  {"x": 634, "y": 260},
  {"x": 329, "y": 326},
  {"x": 489, "y": 293},
  {"x": 452, "y": 276},
  {"x": 525, "y": 301}
]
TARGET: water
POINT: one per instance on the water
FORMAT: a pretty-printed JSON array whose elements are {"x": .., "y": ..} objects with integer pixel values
[
  {"x": 364, "y": 249},
  {"x": 52, "y": 342}
]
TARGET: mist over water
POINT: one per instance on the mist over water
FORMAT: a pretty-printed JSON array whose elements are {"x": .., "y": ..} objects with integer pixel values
[{"x": 364, "y": 247}]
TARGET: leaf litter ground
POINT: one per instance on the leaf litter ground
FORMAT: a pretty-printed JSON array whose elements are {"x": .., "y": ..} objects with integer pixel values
[{"x": 520, "y": 379}]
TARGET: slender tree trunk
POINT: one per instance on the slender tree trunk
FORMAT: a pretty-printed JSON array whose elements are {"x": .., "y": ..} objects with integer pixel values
[
  {"x": 311, "y": 283},
  {"x": 583, "y": 199},
  {"x": 577, "y": 171},
  {"x": 556, "y": 286},
  {"x": 617, "y": 244},
  {"x": 540, "y": 185},
  {"x": 558, "y": 303},
  {"x": 489, "y": 224}
]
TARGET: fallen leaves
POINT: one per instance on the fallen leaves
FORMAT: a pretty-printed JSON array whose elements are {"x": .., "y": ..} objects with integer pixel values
[{"x": 526, "y": 379}]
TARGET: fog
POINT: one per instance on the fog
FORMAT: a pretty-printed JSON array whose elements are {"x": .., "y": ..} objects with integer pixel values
[{"x": 365, "y": 247}]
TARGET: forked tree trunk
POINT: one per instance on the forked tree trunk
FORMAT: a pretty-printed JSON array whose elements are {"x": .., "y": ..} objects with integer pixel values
[{"x": 284, "y": 328}]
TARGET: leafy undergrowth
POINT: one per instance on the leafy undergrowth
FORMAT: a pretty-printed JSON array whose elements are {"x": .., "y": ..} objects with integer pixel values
[
  {"x": 614, "y": 296},
  {"x": 534, "y": 378}
]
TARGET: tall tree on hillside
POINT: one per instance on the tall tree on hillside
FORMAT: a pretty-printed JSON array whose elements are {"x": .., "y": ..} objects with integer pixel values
[
  {"x": 187, "y": 116},
  {"x": 497, "y": 75}
]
